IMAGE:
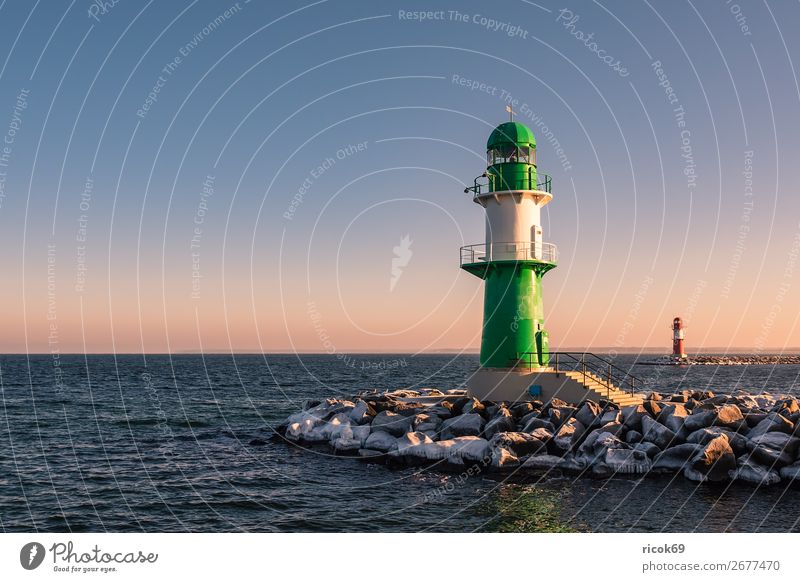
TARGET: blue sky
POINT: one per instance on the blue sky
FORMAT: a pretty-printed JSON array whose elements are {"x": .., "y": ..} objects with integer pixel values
[{"x": 380, "y": 118}]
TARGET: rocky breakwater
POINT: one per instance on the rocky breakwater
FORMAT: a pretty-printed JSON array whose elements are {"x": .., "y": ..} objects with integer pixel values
[
  {"x": 730, "y": 360},
  {"x": 740, "y": 437}
]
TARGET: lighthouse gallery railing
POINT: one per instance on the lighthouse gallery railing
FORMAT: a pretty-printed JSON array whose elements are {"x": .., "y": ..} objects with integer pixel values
[
  {"x": 509, "y": 251},
  {"x": 542, "y": 182}
]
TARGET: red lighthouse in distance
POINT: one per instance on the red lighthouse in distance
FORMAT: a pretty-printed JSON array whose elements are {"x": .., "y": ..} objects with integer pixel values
[{"x": 677, "y": 339}]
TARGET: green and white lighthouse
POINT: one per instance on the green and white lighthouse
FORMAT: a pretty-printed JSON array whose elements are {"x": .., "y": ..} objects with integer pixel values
[
  {"x": 514, "y": 257},
  {"x": 516, "y": 362}
]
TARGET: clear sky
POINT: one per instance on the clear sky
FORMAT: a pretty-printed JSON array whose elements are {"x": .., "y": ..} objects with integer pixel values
[{"x": 214, "y": 175}]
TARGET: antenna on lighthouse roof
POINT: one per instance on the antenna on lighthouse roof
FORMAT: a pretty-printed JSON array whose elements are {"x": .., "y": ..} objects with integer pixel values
[{"x": 511, "y": 113}]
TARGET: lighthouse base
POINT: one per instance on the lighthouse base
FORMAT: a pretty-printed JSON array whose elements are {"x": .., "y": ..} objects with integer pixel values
[{"x": 514, "y": 385}]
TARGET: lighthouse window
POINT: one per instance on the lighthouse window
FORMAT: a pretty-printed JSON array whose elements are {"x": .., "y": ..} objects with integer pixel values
[
  {"x": 509, "y": 154},
  {"x": 503, "y": 155}
]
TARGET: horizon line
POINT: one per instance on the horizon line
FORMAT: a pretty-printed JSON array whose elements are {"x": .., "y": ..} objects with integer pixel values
[{"x": 253, "y": 352}]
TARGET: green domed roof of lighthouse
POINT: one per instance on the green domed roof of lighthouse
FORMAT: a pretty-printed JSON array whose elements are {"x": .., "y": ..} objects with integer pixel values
[{"x": 511, "y": 133}]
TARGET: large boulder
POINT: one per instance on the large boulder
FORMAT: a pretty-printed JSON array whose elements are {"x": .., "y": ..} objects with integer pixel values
[
  {"x": 571, "y": 463},
  {"x": 765, "y": 401},
  {"x": 749, "y": 471},
  {"x": 648, "y": 449},
  {"x": 579, "y": 433},
  {"x": 656, "y": 433},
  {"x": 346, "y": 445},
  {"x": 780, "y": 441},
  {"x": 652, "y": 407},
  {"x": 729, "y": 416},
  {"x": 677, "y": 457},
  {"x": 791, "y": 472},
  {"x": 388, "y": 421},
  {"x": 705, "y": 435},
  {"x": 558, "y": 415},
  {"x": 503, "y": 421},
  {"x": 633, "y": 436},
  {"x": 502, "y": 458},
  {"x": 541, "y": 462},
  {"x": 615, "y": 428},
  {"x": 682, "y": 396},
  {"x": 467, "y": 405},
  {"x": 470, "y": 424},
  {"x": 694, "y": 475},
  {"x": 589, "y": 413},
  {"x": 672, "y": 409},
  {"x": 562, "y": 440},
  {"x": 470, "y": 449},
  {"x": 339, "y": 425},
  {"x": 306, "y": 431},
  {"x": 753, "y": 418},
  {"x": 362, "y": 413},
  {"x": 715, "y": 459},
  {"x": 411, "y": 439},
  {"x": 596, "y": 446},
  {"x": 426, "y": 422},
  {"x": 410, "y": 408},
  {"x": 380, "y": 441},
  {"x": 673, "y": 417},
  {"x": 402, "y": 393},
  {"x": 786, "y": 407},
  {"x": 321, "y": 411},
  {"x": 627, "y": 461},
  {"x": 474, "y": 406},
  {"x": 586, "y": 448},
  {"x": 762, "y": 451},
  {"x": 459, "y": 403},
  {"x": 698, "y": 419},
  {"x": 457, "y": 451},
  {"x": 611, "y": 416},
  {"x": 713, "y": 402},
  {"x": 531, "y": 415},
  {"x": 542, "y": 434},
  {"x": 361, "y": 432},
  {"x": 745, "y": 402},
  {"x": 632, "y": 416},
  {"x": 535, "y": 422},
  {"x": 773, "y": 422},
  {"x": 441, "y": 410},
  {"x": 521, "y": 409},
  {"x": 519, "y": 443}
]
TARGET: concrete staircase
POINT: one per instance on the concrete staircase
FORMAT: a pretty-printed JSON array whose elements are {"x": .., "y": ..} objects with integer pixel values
[{"x": 599, "y": 389}]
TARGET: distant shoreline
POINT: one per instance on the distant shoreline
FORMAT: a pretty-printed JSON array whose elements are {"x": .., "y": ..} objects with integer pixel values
[{"x": 602, "y": 351}]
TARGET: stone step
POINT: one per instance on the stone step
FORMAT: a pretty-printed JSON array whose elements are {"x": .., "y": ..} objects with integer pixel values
[{"x": 598, "y": 387}]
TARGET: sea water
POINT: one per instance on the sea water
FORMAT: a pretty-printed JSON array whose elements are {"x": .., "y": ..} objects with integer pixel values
[{"x": 181, "y": 443}]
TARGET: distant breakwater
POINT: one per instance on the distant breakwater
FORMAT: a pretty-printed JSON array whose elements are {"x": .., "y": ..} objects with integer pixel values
[
  {"x": 733, "y": 360},
  {"x": 747, "y": 438}
]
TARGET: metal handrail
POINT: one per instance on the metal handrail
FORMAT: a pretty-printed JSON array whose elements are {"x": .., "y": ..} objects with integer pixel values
[
  {"x": 591, "y": 366},
  {"x": 509, "y": 251},
  {"x": 544, "y": 183}
]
